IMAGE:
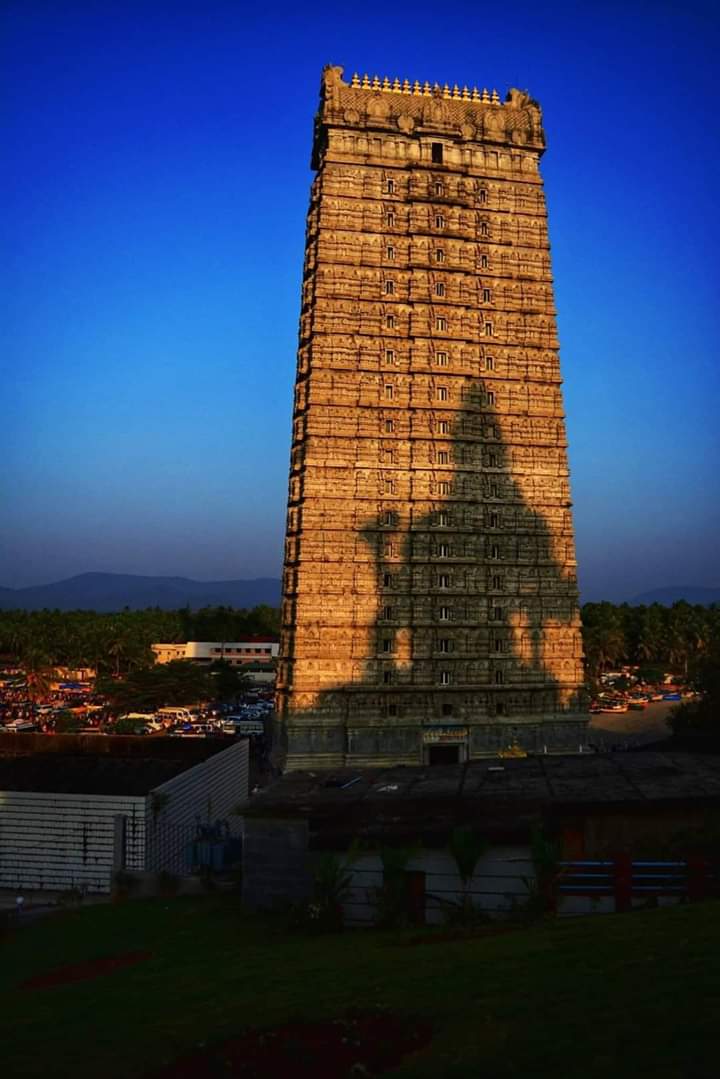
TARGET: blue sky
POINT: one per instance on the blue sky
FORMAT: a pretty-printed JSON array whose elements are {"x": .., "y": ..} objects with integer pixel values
[{"x": 154, "y": 193}]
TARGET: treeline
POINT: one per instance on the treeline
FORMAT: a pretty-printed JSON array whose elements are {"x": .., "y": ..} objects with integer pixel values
[
  {"x": 676, "y": 638},
  {"x": 670, "y": 638},
  {"x": 119, "y": 643}
]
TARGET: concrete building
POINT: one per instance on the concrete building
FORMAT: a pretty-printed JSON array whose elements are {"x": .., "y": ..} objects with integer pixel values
[
  {"x": 74, "y": 809},
  {"x": 649, "y": 805},
  {"x": 429, "y": 592},
  {"x": 254, "y": 650}
]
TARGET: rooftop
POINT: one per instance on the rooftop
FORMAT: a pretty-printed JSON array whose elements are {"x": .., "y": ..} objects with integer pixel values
[
  {"x": 73, "y": 764},
  {"x": 507, "y": 796}
]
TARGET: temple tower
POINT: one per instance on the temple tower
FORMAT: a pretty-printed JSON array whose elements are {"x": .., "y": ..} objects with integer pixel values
[{"x": 430, "y": 606}]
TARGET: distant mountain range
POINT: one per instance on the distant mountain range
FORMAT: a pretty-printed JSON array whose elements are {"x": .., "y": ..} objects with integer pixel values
[
  {"x": 668, "y": 596},
  {"x": 113, "y": 591}
]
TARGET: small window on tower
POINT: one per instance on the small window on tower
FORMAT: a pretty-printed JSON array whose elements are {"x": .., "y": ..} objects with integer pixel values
[
  {"x": 439, "y": 255},
  {"x": 444, "y": 427},
  {"x": 441, "y": 359},
  {"x": 483, "y": 195},
  {"x": 447, "y": 709},
  {"x": 389, "y": 355},
  {"x": 499, "y": 678},
  {"x": 391, "y": 254},
  {"x": 443, "y": 550},
  {"x": 387, "y": 580},
  {"x": 489, "y": 363},
  {"x": 494, "y": 520},
  {"x": 439, "y": 221},
  {"x": 389, "y": 517},
  {"x": 443, "y": 457},
  {"x": 488, "y": 329},
  {"x": 387, "y": 613},
  {"x": 483, "y": 262},
  {"x": 439, "y": 188},
  {"x": 390, "y": 219},
  {"x": 392, "y": 709},
  {"x": 390, "y": 322},
  {"x": 387, "y": 677},
  {"x": 437, "y": 153},
  {"x": 440, "y": 289},
  {"x": 444, "y": 678},
  {"x": 484, "y": 230},
  {"x": 494, "y": 551},
  {"x": 498, "y": 611},
  {"x": 492, "y": 462},
  {"x": 389, "y": 392},
  {"x": 442, "y": 393},
  {"x": 444, "y": 644},
  {"x": 486, "y": 291},
  {"x": 444, "y": 580},
  {"x": 443, "y": 519},
  {"x": 490, "y": 397},
  {"x": 389, "y": 288},
  {"x": 389, "y": 426},
  {"x": 443, "y": 487},
  {"x": 387, "y": 644},
  {"x": 441, "y": 324},
  {"x": 390, "y": 187},
  {"x": 499, "y": 709},
  {"x": 444, "y": 614}
]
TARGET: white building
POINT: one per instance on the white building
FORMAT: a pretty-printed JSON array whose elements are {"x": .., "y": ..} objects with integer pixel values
[
  {"x": 72, "y": 816},
  {"x": 236, "y": 653}
]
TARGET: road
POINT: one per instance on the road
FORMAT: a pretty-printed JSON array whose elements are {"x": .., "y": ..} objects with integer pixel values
[{"x": 631, "y": 728}]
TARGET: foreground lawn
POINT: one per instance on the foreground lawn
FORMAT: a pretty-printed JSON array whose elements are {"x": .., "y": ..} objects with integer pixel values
[{"x": 618, "y": 995}]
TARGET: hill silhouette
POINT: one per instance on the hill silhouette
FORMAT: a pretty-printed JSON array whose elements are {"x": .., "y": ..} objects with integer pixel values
[{"x": 113, "y": 591}]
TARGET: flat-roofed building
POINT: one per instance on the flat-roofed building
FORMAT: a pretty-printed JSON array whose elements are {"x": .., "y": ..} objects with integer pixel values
[{"x": 257, "y": 649}]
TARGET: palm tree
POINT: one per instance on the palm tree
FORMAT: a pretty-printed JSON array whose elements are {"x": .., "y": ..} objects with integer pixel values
[{"x": 39, "y": 673}]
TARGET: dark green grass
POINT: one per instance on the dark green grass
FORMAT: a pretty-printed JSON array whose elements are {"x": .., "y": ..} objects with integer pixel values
[{"x": 623, "y": 995}]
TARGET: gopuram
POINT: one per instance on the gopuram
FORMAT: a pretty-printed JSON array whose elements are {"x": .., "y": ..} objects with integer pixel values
[{"x": 430, "y": 606}]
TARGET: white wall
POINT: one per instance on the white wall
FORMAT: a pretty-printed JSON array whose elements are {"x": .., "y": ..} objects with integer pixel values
[
  {"x": 63, "y": 841},
  {"x": 208, "y": 792},
  {"x": 498, "y": 885}
]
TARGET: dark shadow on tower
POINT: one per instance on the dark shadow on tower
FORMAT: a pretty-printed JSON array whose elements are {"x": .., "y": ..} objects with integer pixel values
[{"x": 476, "y": 638}]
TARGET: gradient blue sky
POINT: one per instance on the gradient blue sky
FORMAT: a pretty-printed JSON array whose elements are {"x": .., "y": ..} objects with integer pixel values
[{"x": 154, "y": 194}]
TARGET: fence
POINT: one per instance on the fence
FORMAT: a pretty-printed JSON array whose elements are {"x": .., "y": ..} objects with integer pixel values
[
  {"x": 617, "y": 884},
  {"x": 430, "y": 897},
  {"x": 189, "y": 846},
  {"x": 627, "y": 882}
]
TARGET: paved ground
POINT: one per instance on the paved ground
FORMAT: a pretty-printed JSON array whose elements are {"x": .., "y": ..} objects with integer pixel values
[{"x": 632, "y": 728}]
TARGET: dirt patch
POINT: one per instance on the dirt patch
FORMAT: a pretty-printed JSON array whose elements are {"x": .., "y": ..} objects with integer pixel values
[
  {"x": 356, "y": 1045},
  {"x": 82, "y": 972}
]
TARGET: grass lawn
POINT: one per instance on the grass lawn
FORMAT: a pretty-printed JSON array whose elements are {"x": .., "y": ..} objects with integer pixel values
[{"x": 617, "y": 995}]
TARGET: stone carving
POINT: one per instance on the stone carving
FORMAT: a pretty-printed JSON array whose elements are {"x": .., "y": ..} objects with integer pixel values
[{"x": 430, "y": 577}]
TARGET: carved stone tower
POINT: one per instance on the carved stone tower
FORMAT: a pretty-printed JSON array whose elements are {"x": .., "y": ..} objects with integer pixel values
[{"x": 430, "y": 600}]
